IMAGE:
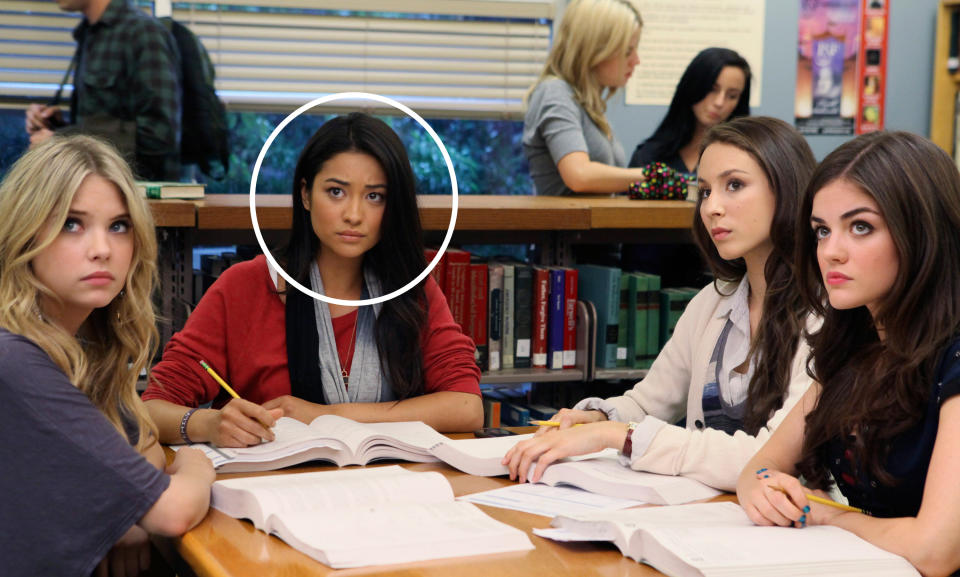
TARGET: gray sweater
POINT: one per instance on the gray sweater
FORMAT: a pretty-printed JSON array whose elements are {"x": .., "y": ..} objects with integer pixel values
[{"x": 556, "y": 125}]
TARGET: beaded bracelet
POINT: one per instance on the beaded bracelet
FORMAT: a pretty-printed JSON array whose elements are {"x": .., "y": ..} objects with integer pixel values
[{"x": 183, "y": 426}]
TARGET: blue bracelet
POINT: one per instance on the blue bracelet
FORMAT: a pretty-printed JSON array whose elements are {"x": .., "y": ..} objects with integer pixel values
[{"x": 183, "y": 426}]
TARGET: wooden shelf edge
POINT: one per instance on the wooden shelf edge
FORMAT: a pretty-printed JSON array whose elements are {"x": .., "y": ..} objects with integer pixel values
[{"x": 515, "y": 376}]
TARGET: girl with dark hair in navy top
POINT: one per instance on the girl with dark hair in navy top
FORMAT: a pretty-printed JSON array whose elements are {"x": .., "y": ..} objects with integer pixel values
[{"x": 880, "y": 262}]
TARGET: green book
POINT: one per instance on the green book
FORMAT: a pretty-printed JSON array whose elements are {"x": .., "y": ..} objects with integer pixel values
[
  {"x": 601, "y": 286},
  {"x": 637, "y": 320},
  {"x": 155, "y": 189},
  {"x": 651, "y": 298}
]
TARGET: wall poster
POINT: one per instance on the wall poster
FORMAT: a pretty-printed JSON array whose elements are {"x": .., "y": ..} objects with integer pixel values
[{"x": 841, "y": 65}]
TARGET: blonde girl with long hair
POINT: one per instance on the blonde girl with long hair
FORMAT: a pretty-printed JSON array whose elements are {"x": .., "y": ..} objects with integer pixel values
[
  {"x": 567, "y": 139},
  {"x": 84, "y": 477}
]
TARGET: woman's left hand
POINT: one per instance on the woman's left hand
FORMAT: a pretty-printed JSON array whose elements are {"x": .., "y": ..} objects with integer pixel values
[
  {"x": 546, "y": 449},
  {"x": 301, "y": 410}
]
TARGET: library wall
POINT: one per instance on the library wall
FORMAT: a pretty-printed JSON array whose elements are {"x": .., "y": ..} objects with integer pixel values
[{"x": 911, "y": 42}]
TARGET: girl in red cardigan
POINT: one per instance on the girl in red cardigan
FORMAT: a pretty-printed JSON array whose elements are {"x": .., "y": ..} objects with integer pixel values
[{"x": 356, "y": 235}]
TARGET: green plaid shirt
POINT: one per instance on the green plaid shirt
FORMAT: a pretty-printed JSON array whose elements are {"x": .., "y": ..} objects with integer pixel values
[{"x": 128, "y": 68}]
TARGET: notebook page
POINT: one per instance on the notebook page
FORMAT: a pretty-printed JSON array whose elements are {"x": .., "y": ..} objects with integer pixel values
[
  {"x": 400, "y": 533},
  {"x": 737, "y": 548},
  {"x": 325, "y": 493}
]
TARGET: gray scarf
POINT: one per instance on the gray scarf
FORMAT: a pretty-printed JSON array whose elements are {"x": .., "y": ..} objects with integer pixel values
[{"x": 368, "y": 384}]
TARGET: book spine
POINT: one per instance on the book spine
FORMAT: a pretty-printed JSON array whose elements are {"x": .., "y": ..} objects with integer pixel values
[
  {"x": 514, "y": 415},
  {"x": 622, "y": 320},
  {"x": 612, "y": 312},
  {"x": 541, "y": 298},
  {"x": 557, "y": 319},
  {"x": 640, "y": 322},
  {"x": 453, "y": 257},
  {"x": 494, "y": 321},
  {"x": 509, "y": 310},
  {"x": 437, "y": 272},
  {"x": 632, "y": 318},
  {"x": 477, "y": 311},
  {"x": 456, "y": 292},
  {"x": 523, "y": 315},
  {"x": 570, "y": 314},
  {"x": 491, "y": 412},
  {"x": 653, "y": 317}
]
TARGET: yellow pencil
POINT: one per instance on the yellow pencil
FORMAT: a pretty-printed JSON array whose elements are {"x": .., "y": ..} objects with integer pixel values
[
  {"x": 550, "y": 423},
  {"x": 823, "y": 501},
  {"x": 217, "y": 378}
]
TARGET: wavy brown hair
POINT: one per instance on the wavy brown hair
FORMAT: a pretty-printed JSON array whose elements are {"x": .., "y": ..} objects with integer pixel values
[
  {"x": 871, "y": 388},
  {"x": 118, "y": 339},
  {"x": 787, "y": 163}
]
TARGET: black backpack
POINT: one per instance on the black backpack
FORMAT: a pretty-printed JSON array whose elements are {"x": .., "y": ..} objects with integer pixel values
[{"x": 204, "y": 137}]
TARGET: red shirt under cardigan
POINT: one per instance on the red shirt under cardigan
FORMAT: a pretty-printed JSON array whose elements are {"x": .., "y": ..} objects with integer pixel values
[{"x": 238, "y": 328}]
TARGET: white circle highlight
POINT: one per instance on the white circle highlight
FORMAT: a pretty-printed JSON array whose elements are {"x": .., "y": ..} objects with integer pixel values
[{"x": 256, "y": 173}]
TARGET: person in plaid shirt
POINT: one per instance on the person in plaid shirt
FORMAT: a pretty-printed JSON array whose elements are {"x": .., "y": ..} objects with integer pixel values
[{"x": 127, "y": 69}]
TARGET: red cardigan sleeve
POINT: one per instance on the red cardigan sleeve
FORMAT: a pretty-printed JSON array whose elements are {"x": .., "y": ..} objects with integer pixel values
[
  {"x": 238, "y": 329},
  {"x": 448, "y": 361}
]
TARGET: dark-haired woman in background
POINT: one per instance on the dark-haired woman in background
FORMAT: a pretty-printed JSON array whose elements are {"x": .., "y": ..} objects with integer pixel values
[
  {"x": 356, "y": 235},
  {"x": 714, "y": 88}
]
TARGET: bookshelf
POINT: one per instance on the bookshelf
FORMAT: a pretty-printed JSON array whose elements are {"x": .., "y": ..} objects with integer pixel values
[
  {"x": 943, "y": 108},
  {"x": 554, "y": 223}
]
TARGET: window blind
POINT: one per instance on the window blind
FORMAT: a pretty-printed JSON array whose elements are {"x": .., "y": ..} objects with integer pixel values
[{"x": 472, "y": 58}]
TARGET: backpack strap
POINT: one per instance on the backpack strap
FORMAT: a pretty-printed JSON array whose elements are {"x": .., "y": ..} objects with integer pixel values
[{"x": 73, "y": 65}]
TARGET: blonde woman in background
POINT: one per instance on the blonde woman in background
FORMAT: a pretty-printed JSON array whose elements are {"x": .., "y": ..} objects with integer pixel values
[
  {"x": 83, "y": 478},
  {"x": 566, "y": 136}
]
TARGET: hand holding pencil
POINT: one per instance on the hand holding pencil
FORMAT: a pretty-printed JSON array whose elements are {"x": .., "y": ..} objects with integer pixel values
[
  {"x": 239, "y": 423},
  {"x": 775, "y": 498}
]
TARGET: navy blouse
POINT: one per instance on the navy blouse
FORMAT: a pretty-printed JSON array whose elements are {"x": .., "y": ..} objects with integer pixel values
[{"x": 909, "y": 455}]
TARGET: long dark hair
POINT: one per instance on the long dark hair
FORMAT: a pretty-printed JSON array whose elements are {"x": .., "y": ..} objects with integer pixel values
[
  {"x": 787, "y": 162},
  {"x": 677, "y": 127},
  {"x": 396, "y": 259},
  {"x": 871, "y": 388}
]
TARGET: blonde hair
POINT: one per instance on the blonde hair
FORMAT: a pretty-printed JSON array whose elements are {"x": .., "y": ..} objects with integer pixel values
[
  {"x": 590, "y": 32},
  {"x": 116, "y": 341}
]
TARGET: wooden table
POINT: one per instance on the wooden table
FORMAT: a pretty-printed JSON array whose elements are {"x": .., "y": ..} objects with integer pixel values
[{"x": 221, "y": 546}]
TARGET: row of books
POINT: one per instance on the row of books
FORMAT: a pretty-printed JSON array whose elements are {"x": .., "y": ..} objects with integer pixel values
[
  {"x": 518, "y": 315},
  {"x": 522, "y": 316}
]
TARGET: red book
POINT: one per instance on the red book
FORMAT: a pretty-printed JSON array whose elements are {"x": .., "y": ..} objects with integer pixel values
[
  {"x": 439, "y": 272},
  {"x": 456, "y": 284},
  {"x": 541, "y": 303},
  {"x": 452, "y": 257},
  {"x": 570, "y": 316},
  {"x": 477, "y": 311}
]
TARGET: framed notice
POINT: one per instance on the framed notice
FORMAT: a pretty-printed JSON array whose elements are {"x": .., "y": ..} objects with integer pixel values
[{"x": 674, "y": 32}]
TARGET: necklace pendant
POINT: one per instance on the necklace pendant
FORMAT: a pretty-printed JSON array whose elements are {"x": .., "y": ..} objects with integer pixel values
[{"x": 346, "y": 377}]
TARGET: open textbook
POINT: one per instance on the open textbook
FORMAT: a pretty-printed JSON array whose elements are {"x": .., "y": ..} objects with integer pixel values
[
  {"x": 347, "y": 442},
  {"x": 603, "y": 474},
  {"x": 360, "y": 517},
  {"x": 719, "y": 540}
]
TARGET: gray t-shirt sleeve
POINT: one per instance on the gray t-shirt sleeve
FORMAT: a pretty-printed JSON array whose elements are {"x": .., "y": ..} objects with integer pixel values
[
  {"x": 71, "y": 484},
  {"x": 558, "y": 120}
]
